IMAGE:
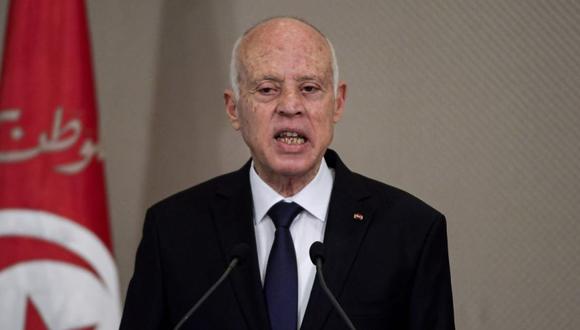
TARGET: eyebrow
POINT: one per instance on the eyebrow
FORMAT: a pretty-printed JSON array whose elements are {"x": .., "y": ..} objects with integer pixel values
[
  {"x": 267, "y": 77},
  {"x": 279, "y": 80},
  {"x": 310, "y": 77}
]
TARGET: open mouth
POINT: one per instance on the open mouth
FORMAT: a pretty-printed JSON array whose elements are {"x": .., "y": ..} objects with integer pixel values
[{"x": 291, "y": 137}]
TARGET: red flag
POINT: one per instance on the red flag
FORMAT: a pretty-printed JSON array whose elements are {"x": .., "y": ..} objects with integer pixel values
[{"x": 56, "y": 264}]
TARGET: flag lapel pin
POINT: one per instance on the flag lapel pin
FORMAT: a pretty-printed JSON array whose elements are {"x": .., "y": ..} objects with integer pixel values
[{"x": 358, "y": 216}]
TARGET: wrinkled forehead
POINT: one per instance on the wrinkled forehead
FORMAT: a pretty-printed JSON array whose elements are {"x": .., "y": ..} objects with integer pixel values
[{"x": 284, "y": 43}]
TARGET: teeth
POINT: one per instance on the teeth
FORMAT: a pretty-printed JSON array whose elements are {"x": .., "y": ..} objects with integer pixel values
[
  {"x": 291, "y": 140},
  {"x": 288, "y": 134}
]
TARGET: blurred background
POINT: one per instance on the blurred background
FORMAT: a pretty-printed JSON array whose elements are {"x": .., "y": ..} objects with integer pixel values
[{"x": 473, "y": 106}]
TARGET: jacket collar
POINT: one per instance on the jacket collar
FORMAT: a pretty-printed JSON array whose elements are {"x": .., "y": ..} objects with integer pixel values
[
  {"x": 232, "y": 214},
  {"x": 349, "y": 215}
]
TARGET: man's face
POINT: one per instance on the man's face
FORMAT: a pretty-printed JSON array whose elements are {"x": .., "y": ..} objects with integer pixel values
[{"x": 287, "y": 107}]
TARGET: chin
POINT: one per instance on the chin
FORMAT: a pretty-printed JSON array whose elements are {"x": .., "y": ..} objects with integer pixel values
[{"x": 295, "y": 168}]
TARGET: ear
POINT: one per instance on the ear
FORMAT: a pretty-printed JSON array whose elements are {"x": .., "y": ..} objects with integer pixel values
[
  {"x": 231, "y": 109},
  {"x": 339, "y": 101}
]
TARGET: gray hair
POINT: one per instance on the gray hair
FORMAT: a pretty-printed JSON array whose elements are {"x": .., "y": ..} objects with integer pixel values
[{"x": 235, "y": 61}]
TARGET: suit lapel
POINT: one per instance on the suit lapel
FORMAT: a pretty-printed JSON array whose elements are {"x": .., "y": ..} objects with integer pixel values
[
  {"x": 345, "y": 231},
  {"x": 232, "y": 214}
]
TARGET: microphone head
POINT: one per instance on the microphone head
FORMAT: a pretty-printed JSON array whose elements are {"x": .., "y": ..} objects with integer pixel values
[
  {"x": 240, "y": 251},
  {"x": 317, "y": 252}
]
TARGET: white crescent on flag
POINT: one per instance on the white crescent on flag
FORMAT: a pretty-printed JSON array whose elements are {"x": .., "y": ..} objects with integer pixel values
[{"x": 68, "y": 276}]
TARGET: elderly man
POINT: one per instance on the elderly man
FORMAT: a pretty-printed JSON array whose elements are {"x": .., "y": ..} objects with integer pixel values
[{"x": 386, "y": 251}]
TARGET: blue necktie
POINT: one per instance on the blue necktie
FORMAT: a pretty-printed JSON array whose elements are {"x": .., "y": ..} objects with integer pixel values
[{"x": 281, "y": 283}]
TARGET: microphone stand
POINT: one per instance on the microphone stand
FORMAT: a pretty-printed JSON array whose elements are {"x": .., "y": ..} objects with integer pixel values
[
  {"x": 238, "y": 254},
  {"x": 330, "y": 295}
]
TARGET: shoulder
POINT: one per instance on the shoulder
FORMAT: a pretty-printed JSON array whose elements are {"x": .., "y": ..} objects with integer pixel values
[
  {"x": 389, "y": 196},
  {"x": 398, "y": 214},
  {"x": 196, "y": 199},
  {"x": 392, "y": 202}
]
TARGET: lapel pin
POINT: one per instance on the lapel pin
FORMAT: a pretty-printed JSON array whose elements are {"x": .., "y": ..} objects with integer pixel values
[{"x": 358, "y": 216}]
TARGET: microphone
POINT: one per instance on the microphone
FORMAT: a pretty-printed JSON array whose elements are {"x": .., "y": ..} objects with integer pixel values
[
  {"x": 237, "y": 257},
  {"x": 317, "y": 255}
]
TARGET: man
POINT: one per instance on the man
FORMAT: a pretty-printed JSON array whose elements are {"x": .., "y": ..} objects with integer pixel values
[{"x": 386, "y": 251}]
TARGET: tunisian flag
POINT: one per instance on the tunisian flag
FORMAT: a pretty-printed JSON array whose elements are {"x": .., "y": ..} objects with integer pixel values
[{"x": 56, "y": 264}]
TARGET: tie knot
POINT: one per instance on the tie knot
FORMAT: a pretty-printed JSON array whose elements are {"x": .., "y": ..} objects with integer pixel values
[{"x": 282, "y": 213}]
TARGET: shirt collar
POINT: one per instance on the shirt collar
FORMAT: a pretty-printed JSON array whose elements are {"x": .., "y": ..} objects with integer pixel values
[{"x": 314, "y": 197}]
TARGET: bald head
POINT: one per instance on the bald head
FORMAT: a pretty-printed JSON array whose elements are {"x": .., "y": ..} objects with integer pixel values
[
  {"x": 273, "y": 35},
  {"x": 288, "y": 100}
]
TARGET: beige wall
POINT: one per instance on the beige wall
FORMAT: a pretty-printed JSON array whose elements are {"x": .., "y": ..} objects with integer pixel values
[{"x": 473, "y": 106}]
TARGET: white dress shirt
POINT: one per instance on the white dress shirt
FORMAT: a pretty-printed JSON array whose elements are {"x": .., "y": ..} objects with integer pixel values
[{"x": 307, "y": 228}]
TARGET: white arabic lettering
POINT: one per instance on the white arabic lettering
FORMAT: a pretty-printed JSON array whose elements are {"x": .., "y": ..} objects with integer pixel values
[{"x": 61, "y": 138}]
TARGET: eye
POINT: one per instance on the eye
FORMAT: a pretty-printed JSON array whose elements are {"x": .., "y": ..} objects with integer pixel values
[
  {"x": 266, "y": 90},
  {"x": 310, "y": 88}
]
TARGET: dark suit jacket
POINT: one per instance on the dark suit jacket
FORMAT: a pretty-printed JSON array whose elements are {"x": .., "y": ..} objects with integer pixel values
[{"x": 389, "y": 270}]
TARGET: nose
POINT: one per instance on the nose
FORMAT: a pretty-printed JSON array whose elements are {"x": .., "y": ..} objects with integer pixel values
[{"x": 291, "y": 103}]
